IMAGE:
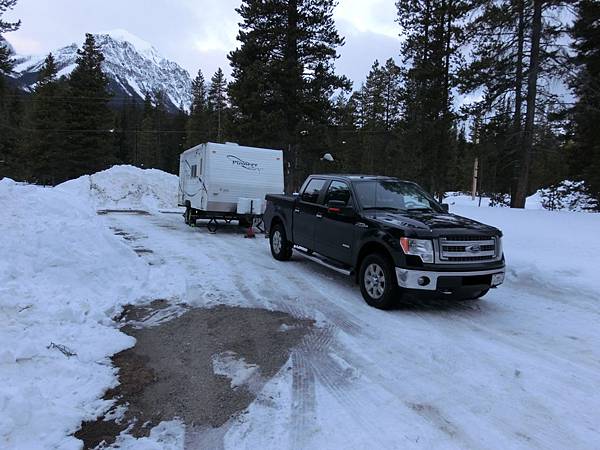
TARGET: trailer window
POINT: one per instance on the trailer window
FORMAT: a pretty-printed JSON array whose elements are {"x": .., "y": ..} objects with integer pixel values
[
  {"x": 194, "y": 171},
  {"x": 312, "y": 191},
  {"x": 200, "y": 170}
]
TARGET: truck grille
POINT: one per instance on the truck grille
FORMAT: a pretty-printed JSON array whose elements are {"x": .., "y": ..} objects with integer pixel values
[{"x": 468, "y": 249}]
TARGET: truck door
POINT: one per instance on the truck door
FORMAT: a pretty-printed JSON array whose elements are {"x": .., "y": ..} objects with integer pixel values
[
  {"x": 334, "y": 233},
  {"x": 305, "y": 213}
]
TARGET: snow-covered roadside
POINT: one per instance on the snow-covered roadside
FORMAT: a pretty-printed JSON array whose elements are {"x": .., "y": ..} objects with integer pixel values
[
  {"x": 462, "y": 199},
  {"x": 63, "y": 275},
  {"x": 546, "y": 249}
]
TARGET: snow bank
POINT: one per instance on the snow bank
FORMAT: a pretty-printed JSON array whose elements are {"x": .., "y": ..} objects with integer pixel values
[
  {"x": 550, "y": 249},
  {"x": 126, "y": 187},
  {"x": 63, "y": 275},
  {"x": 463, "y": 199},
  {"x": 564, "y": 196}
]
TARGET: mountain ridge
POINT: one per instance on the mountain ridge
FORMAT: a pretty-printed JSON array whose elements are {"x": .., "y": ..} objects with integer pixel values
[{"x": 132, "y": 65}]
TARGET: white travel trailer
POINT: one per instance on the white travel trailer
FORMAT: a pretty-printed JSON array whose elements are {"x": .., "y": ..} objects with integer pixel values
[{"x": 228, "y": 181}]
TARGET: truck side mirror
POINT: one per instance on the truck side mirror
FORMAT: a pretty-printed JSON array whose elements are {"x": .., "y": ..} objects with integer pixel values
[
  {"x": 446, "y": 207},
  {"x": 339, "y": 207}
]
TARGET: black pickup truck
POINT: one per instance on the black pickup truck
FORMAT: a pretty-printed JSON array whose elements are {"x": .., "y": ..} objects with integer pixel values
[{"x": 390, "y": 234}]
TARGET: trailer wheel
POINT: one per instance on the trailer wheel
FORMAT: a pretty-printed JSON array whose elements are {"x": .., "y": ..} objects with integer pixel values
[{"x": 281, "y": 248}]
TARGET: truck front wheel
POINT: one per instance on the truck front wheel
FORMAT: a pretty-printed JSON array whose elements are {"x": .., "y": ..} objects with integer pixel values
[
  {"x": 281, "y": 248},
  {"x": 377, "y": 280}
]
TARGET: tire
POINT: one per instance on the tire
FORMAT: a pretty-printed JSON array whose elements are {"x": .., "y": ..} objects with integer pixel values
[
  {"x": 281, "y": 248},
  {"x": 378, "y": 284}
]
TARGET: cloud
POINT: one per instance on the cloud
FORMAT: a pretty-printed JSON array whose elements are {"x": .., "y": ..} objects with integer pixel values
[
  {"x": 23, "y": 44},
  {"x": 362, "y": 49},
  {"x": 373, "y": 16},
  {"x": 196, "y": 33}
]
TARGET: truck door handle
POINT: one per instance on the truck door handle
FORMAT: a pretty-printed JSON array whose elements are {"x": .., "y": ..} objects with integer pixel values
[
  {"x": 297, "y": 211},
  {"x": 319, "y": 215}
]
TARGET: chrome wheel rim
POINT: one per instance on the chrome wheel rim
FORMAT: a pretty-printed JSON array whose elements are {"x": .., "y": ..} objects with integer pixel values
[
  {"x": 374, "y": 281},
  {"x": 276, "y": 242}
]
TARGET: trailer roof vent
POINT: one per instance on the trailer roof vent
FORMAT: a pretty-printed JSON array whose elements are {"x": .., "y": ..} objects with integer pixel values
[{"x": 231, "y": 143}]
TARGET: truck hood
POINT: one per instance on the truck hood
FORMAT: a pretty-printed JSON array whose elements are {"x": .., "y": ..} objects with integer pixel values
[{"x": 430, "y": 221}]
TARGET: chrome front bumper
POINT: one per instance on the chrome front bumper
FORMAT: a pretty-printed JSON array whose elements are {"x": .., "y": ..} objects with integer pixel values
[{"x": 414, "y": 279}]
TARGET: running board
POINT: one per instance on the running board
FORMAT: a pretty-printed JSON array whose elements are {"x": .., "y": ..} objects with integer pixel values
[{"x": 322, "y": 261}]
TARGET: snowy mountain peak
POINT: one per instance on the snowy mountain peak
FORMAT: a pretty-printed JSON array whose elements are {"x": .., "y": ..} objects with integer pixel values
[
  {"x": 125, "y": 36},
  {"x": 133, "y": 66}
]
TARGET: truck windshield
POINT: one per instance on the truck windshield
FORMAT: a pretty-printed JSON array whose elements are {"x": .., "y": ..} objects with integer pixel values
[{"x": 394, "y": 195}]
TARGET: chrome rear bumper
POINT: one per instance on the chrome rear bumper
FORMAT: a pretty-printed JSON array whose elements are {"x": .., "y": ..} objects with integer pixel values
[{"x": 428, "y": 280}]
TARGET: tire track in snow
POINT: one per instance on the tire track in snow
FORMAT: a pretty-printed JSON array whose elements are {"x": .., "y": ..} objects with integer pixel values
[
  {"x": 312, "y": 360},
  {"x": 303, "y": 417}
]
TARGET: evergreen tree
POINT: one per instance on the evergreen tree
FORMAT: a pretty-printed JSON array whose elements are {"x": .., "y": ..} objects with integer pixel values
[
  {"x": 383, "y": 96},
  {"x": 12, "y": 112},
  {"x": 88, "y": 117},
  {"x": 161, "y": 124},
  {"x": 283, "y": 77},
  {"x": 586, "y": 113},
  {"x": 6, "y": 62},
  {"x": 126, "y": 128},
  {"x": 197, "y": 128},
  {"x": 434, "y": 36},
  {"x": 148, "y": 146},
  {"x": 177, "y": 140},
  {"x": 46, "y": 122},
  {"x": 217, "y": 107},
  {"x": 516, "y": 46},
  {"x": 10, "y": 107}
]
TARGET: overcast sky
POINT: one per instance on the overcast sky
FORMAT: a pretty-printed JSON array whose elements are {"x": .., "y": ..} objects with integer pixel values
[{"x": 197, "y": 34}]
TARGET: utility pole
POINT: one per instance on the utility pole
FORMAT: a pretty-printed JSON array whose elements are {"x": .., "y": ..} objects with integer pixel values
[
  {"x": 475, "y": 178},
  {"x": 219, "y": 125}
]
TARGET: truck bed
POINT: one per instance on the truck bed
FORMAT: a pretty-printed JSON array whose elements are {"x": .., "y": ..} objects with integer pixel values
[
  {"x": 283, "y": 206},
  {"x": 280, "y": 198}
]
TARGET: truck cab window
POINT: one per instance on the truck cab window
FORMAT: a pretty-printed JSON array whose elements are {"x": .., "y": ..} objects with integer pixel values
[
  {"x": 312, "y": 190},
  {"x": 338, "y": 190}
]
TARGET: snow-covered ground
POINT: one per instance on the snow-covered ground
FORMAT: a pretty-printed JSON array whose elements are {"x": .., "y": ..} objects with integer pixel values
[
  {"x": 518, "y": 369},
  {"x": 564, "y": 196},
  {"x": 63, "y": 276}
]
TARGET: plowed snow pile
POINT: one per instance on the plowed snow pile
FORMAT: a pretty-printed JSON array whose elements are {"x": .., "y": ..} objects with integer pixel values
[
  {"x": 63, "y": 276},
  {"x": 126, "y": 187}
]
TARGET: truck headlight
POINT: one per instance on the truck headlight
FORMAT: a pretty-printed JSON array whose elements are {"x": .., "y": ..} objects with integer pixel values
[{"x": 422, "y": 248}]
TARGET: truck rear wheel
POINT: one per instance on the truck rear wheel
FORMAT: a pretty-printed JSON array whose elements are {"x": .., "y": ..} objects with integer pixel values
[
  {"x": 281, "y": 248},
  {"x": 378, "y": 283}
]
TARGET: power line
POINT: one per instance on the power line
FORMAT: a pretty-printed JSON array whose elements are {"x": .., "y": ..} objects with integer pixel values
[{"x": 109, "y": 131}]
